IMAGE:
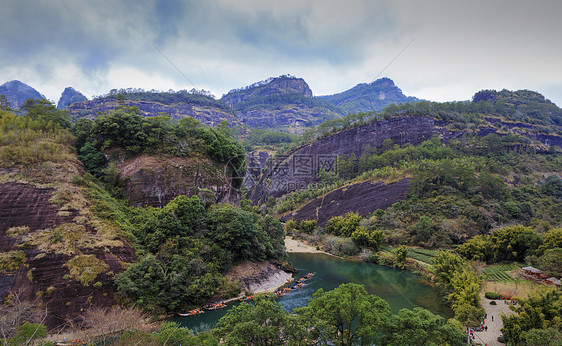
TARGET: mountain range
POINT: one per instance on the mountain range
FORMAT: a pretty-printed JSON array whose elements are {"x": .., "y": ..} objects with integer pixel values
[{"x": 282, "y": 103}]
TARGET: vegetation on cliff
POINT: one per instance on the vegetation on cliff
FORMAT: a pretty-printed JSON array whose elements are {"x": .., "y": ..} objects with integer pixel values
[
  {"x": 126, "y": 129},
  {"x": 200, "y": 98}
]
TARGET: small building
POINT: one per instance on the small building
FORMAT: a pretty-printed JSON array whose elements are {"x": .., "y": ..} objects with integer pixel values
[
  {"x": 532, "y": 271},
  {"x": 554, "y": 281}
]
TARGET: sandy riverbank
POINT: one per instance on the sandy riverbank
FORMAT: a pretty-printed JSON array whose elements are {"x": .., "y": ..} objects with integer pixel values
[{"x": 296, "y": 246}]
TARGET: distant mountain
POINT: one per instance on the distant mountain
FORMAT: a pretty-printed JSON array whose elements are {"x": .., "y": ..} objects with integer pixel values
[
  {"x": 70, "y": 96},
  {"x": 368, "y": 97},
  {"x": 17, "y": 93},
  {"x": 177, "y": 105},
  {"x": 283, "y": 103}
]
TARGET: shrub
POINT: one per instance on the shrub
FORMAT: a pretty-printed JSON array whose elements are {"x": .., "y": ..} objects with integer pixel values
[
  {"x": 491, "y": 295},
  {"x": 307, "y": 226},
  {"x": 10, "y": 261},
  {"x": 290, "y": 225},
  {"x": 85, "y": 268},
  {"x": 493, "y": 302}
]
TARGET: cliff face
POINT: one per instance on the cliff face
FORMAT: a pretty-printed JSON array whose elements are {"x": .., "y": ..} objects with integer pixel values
[
  {"x": 299, "y": 168},
  {"x": 50, "y": 236},
  {"x": 362, "y": 198},
  {"x": 205, "y": 113},
  {"x": 155, "y": 181}
]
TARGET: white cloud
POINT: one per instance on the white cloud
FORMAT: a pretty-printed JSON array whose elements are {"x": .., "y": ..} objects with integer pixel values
[{"x": 458, "y": 48}]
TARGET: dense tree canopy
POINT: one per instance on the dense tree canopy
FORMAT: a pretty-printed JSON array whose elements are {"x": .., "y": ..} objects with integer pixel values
[
  {"x": 347, "y": 315},
  {"x": 185, "y": 251}
]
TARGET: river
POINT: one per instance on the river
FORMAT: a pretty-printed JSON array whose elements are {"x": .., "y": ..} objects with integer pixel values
[{"x": 400, "y": 288}]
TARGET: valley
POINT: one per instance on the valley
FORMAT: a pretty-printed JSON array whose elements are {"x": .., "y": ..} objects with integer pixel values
[{"x": 164, "y": 202}]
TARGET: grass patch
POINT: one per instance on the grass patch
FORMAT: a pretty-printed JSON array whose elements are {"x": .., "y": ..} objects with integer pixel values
[
  {"x": 10, "y": 261},
  {"x": 61, "y": 240},
  {"x": 515, "y": 288},
  {"x": 17, "y": 231},
  {"x": 85, "y": 268}
]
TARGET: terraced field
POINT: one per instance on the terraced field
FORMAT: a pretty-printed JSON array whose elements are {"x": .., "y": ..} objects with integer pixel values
[{"x": 499, "y": 272}]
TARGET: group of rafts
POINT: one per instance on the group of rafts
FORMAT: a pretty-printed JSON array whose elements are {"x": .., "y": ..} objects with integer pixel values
[{"x": 278, "y": 293}]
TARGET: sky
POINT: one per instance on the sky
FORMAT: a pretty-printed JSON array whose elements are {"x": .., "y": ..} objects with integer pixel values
[{"x": 435, "y": 50}]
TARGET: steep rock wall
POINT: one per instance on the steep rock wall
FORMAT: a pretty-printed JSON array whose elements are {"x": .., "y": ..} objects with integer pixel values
[
  {"x": 155, "y": 180},
  {"x": 44, "y": 275},
  {"x": 362, "y": 198},
  {"x": 299, "y": 168},
  {"x": 206, "y": 114}
]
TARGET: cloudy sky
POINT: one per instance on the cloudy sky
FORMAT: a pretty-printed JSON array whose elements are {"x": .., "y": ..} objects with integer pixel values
[{"x": 454, "y": 48}]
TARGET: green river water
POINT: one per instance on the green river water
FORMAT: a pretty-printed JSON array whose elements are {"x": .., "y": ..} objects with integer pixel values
[{"x": 400, "y": 288}]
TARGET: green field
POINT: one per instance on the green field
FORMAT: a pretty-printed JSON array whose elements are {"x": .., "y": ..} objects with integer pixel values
[
  {"x": 499, "y": 272},
  {"x": 422, "y": 255}
]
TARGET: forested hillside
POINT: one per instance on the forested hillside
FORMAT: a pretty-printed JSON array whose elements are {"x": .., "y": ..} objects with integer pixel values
[
  {"x": 68, "y": 230},
  {"x": 472, "y": 167}
]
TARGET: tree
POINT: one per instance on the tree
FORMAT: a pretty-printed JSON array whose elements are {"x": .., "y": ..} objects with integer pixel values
[
  {"x": 401, "y": 254},
  {"x": 307, "y": 226},
  {"x": 465, "y": 295},
  {"x": 42, "y": 109},
  {"x": 551, "y": 240},
  {"x": 5, "y": 104},
  {"x": 551, "y": 260},
  {"x": 93, "y": 159},
  {"x": 445, "y": 264},
  {"x": 540, "y": 310},
  {"x": 421, "y": 327},
  {"x": 545, "y": 337},
  {"x": 263, "y": 322},
  {"x": 514, "y": 243},
  {"x": 479, "y": 248},
  {"x": 423, "y": 229},
  {"x": 347, "y": 315},
  {"x": 343, "y": 225},
  {"x": 28, "y": 332},
  {"x": 237, "y": 231},
  {"x": 102, "y": 323},
  {"x": 552, "y": 186},
  {"x": 16, "y": 312},
  {"x": 371, "y": 238}
]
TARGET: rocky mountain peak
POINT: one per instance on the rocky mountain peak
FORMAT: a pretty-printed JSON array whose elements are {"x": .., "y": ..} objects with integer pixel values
[
  {"x": 70, "y": 96},
  {"x": 369, "y": 97},
  {"x": 271, "y": 86},
  {"x": 17, "y": 93}
]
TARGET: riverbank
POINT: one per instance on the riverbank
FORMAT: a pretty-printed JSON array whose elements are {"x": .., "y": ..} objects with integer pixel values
[
  {"x": 253, "y": 277},
  {"x": 297, "y": 246}
]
